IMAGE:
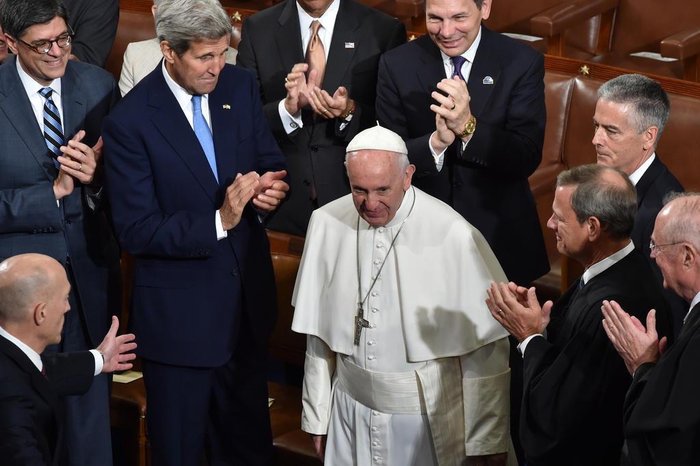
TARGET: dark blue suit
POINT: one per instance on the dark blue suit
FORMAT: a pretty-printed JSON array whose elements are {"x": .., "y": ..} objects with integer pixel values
[
  {"x": 487, "y": 183},
  {"x": 30, "y": 221},
  {"x": 202, "y": 309},
  {"x": 31, "y": 414}
]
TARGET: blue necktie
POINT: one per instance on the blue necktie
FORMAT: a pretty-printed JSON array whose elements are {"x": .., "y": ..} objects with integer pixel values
[
  {"x": 53, "y": 131},
  {"x": 201, "y": 129},
  {"x": 458, "y": 61}
]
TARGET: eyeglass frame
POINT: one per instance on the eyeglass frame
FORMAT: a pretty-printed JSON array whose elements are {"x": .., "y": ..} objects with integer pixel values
[
  {"x": 65, "y": 36},
  {"x": 656, "y": 248}
]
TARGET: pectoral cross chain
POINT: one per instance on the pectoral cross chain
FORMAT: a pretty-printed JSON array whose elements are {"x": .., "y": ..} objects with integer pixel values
[{"x": 360, "y": 323}]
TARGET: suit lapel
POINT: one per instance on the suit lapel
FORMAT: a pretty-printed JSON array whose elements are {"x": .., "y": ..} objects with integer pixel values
[
  {"x": 431, "y": 70},
  {"x": 18, "y": 112},
  {"x": 485, "y": 69},
  {"x": 225, "y": 132},
  {"x": 647, "y": 180},
  {"x": 176, "y": 130},
  {"x": 288, "y": 37},
  {"x": 74, "y": 103},
  {"x": 341, "y": 54}
]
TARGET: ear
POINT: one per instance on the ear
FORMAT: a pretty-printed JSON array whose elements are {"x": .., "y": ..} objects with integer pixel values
[
  {"x": 168, "y": 52},
  {"x": 39, "y": 314},
  {"x": 649, "y": 135},
  {"x": 11, "y": 43},
  {"x": 594, "y": 228},
  {"x": 485, "y": 9},
  {"x": 410, "y": 170},
  {"x": 690, "y": 256}
]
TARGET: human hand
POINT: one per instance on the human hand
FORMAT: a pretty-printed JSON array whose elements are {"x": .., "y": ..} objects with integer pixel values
[
  {"x": 442, "y": 137},
  {"x": 635, "y": 344},
  {"x": 326, "y": 105},
  {"x": 117, "y": 350},
  {"x": 319, "y": 445},
  {"x": 79, "y": 160},
  {"x": 520, "y": 314},
  {"x": 454, "y": 104},
  {"x": 238, "y": 194},
  {"x": 295, "y": 83},
  {"x": 271, "y": 191}
]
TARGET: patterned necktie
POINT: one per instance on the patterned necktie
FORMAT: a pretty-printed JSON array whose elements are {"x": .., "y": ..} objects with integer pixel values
[
  {"x": 315, "y": 54},
  {"x": 201, "y": 129},
  {"x": 458, "y": 61},
  {"x": 53, "y": 131}
]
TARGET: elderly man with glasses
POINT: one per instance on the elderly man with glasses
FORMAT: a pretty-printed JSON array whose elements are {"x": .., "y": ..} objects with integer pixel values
[{"x": 51, "y": 111}]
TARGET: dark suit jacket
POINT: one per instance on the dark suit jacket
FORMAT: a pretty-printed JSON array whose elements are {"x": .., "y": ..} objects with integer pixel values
[
  {"x": 487, "y": 183},
  {"x": 270, "y": 46},
  {"x": 189, "y": 288},
  {"x": 656, "y": 183},
  {"x": 662, "y": 416},
  {"x": 31, "y": 415},
  {"x": 574, "y": 380},
  {"x": 30, "y": 221},
  {"x": 95, "y": 25}
]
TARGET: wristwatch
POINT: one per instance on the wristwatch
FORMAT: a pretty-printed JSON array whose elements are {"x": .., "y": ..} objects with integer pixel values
[{"x": 469, "y": 127}]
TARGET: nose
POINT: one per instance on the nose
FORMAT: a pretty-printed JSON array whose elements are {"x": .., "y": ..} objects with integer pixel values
[
  {"x": 371, "y": 202},
  {"x": 447, "y": 28},
  {"x": 552, "y": 223},
  {"x": 597, "y": 138}
]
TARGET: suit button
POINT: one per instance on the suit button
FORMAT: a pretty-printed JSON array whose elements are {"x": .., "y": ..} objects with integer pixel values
[
  {"x": 234, "y": 273},
  {"x": 314, "y": 148}
]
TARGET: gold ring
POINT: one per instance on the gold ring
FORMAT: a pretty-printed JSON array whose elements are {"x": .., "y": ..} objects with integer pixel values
[
  {"x": 454, "y": 105},
  {"x": 80, "y": 167}
]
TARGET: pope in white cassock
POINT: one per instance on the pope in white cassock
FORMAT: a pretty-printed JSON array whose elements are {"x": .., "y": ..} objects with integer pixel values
[{"x": 404, "y": 363}]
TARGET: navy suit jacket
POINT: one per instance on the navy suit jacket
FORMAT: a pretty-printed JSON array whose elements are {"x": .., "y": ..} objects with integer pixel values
[
  {"x": 270, "y": 46},
  {"x": 190, "y": 289},
  {"x": 30, "y": 220},
  {"x": 487, "y": 183},
  {"x": 31, "y": 415}
]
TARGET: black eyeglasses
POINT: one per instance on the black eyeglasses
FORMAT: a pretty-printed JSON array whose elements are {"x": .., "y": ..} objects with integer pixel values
[{"x": 44, "y": 46}]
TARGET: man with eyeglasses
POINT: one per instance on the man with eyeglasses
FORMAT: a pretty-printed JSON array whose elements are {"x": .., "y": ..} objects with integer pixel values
[
  {"x": 51, "y": 201},
  {"x": 662, "y": 417},
  {"x": 573, "y": 382}
]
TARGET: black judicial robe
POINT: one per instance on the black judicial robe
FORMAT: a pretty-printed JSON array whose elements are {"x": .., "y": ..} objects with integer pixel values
[
  {"x": 574, "y": 380},
  {"x": 662, "y": 412}
]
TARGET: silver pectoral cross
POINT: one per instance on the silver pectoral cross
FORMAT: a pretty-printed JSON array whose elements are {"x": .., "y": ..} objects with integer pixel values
[{"x": 360, "y": 323}]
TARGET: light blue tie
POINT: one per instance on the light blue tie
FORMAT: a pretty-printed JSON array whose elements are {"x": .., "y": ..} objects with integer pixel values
[
  {"x": 201, "y": 129},
  {"x": 53, "y": 131}
]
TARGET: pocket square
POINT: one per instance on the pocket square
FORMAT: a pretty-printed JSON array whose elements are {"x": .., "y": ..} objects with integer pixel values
[{"x": 487, "y": 80}]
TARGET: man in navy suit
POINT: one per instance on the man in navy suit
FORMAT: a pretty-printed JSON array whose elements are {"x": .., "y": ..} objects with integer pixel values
[
  {"x": 470, "y": 105},
  {"x": 51, "y": 199},
  {"x": 630, "y": 116},
  {"x": 191, "y": 167},
  {"x": 33, "y": 304}
]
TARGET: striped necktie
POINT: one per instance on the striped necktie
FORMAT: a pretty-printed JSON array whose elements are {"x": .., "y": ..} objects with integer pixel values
[
  {"x": 201, "y": 129},
  {"x": 53, "y": 131}
]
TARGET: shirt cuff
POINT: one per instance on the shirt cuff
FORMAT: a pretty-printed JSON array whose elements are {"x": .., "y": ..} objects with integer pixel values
[
  {"x": 289, "y": 122},
  {"x": 99, "y": 361},
  {"x": 523, "y": 344},
  {"x": 220, "y": 232},
  {"x": 439, "y": 158}
]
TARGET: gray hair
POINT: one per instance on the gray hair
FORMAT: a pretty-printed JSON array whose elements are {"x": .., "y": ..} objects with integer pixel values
[
  {"x": 185, "y": 21},
  {"x": 613, "y": 204},
  {"x": 18, "y": 292},
  {"x": 684, "y": 224},
  {"x": 649, "y": 102}
]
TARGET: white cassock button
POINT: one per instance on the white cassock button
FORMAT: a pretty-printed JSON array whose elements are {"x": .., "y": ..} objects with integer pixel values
[
  {"x": 380, "y": 245},
  {"x": 370, "y": 357},
  {"x": 375, "y": 413},
  {"x": 372, "y": 325},
  {"x": 375, "y": 294},
  {"x": 375, "y": 443},
  {"x": 371, "y": 342},
  {"x": 380, "y": 229},
  {"x": 377, "y": 261},
  {"x": 374, "y": 429},
  {"x": 375, "y": 310}
]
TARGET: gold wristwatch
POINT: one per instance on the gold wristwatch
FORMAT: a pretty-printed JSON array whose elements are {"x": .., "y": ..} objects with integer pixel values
[{"x": 469, "y": 127}]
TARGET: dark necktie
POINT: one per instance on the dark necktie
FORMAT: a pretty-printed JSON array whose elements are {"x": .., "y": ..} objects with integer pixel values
[
  {"x": 201, "y": 129},
  {"x": 315, "y": 53},
  {"x": 458, "y": 61},
  {"x": 53, "y": 131}
]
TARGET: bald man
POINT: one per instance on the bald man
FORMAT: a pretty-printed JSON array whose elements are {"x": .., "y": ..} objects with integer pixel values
[{"x": 34, "y": 292}]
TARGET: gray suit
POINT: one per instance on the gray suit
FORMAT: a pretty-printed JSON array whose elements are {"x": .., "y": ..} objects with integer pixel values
[{"x": 75, "y": 232}]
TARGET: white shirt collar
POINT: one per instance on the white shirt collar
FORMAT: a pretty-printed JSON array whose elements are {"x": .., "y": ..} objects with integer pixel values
[
  {"x": 695, "y": 301},
  {"x": 469, "y": 54},
  {"x": 184, "y": 98},
  {"x": 639, "y": 172},
  {"x": 31, "y": 354},
  {"x": 31, "y": 86},
  {"x": 603, "y": 265}
]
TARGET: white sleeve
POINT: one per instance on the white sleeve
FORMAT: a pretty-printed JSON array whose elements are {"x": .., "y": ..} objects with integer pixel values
[
  {"x": 486, "y": 395},
  {"x": 319, "y": 368}
]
